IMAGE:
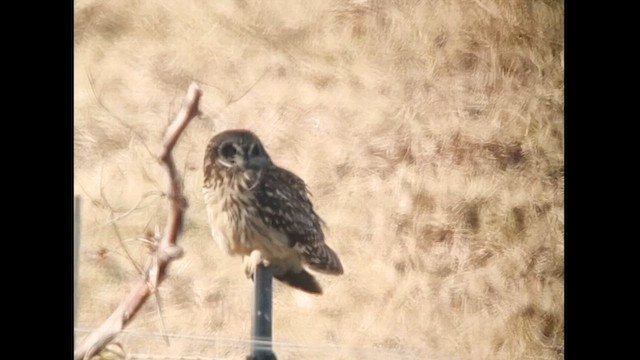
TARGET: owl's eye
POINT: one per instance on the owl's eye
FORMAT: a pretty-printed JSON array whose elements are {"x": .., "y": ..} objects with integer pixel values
[
  {"x": 228, "y": 150},
  {"x": 255, "y": 151}
]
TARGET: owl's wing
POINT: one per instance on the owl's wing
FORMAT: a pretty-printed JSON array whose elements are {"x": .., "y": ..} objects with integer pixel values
[{"x": 284, "y": 205}]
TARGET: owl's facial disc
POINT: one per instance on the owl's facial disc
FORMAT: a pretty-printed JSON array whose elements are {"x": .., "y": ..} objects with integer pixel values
[
  {"x": 243, "y": 156},
  {"x": 230, "y": 155},
  {"x": 257, "y": 158}
]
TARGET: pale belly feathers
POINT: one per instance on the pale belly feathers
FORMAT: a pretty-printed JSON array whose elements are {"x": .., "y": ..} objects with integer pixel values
[{"x": 238, "y": 232}]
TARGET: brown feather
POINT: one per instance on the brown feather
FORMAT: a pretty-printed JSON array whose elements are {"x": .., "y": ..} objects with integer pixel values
[{"x": 302, "y": 280}]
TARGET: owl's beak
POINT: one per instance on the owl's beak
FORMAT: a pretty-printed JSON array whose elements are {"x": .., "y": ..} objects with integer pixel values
[
  {"x": 243, "y": 161},
  {"x": 255, "y": 163}
]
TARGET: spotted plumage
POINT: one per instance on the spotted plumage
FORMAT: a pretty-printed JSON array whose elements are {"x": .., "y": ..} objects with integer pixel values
[{"x": 262, "y": 212}]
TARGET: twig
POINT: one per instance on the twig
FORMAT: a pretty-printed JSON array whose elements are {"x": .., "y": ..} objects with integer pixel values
[
  {"x": 126, "y": 250},
  {"x": 116, "y": 117},
  {"x": 135, "y": 207},
  {"x": 238, "y": 98},
  {"x": 167, "y": 250},
  {"x": 115, "y": 226}
]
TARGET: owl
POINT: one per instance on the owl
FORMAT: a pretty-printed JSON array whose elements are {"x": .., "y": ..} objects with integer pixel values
[{"x": 262, "y": 212}]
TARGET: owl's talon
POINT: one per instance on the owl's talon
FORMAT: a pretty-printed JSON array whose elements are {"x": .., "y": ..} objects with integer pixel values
[{"x": 251, "y": 263}]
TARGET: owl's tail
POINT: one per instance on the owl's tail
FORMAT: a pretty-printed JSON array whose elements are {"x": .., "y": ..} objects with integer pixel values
[
  {"x": 300, "y": 280},
  {"x": 321, "y": 258}
]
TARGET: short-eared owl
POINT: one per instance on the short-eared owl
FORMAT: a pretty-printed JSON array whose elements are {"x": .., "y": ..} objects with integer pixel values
[{"x": 263, "y": 213}]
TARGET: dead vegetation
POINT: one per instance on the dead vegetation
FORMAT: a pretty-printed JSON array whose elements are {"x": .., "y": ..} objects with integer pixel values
[{"x": 430, "y": 133}]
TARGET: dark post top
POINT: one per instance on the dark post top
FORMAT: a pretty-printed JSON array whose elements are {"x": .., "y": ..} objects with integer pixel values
[{"x": 261, "y": 318}]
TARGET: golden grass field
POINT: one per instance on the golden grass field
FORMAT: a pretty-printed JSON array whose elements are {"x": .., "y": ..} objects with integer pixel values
[{"x": 431, "y": 134}]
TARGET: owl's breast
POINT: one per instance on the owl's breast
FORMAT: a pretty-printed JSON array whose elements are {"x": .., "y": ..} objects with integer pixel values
[{"x": 228, "y": 216}]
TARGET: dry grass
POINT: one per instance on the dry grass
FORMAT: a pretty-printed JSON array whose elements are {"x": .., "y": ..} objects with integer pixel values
[{"x": 430, "y": 133}]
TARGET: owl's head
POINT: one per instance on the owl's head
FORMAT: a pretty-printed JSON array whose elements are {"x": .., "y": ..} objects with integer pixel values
[{"x": 235, "y": 150}]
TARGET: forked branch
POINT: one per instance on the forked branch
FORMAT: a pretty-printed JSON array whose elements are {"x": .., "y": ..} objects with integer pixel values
[{"x": 167, "y": 250}]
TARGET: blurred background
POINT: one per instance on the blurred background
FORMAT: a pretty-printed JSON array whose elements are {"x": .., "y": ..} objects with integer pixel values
[{"x": 431, "y": 136}]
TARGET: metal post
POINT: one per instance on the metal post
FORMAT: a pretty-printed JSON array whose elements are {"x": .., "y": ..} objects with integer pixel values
[
  {"x": 76, "y": 248},
  {"x": 261, "y": 317}
]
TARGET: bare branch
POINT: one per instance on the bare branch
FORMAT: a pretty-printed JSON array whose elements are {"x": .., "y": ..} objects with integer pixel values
[{"x": 167, "y": 249}]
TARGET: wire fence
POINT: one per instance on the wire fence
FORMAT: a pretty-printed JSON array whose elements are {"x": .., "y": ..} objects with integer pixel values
[
  {"x": 218, "y": 347},
  {"x": 284, "y": 350},
  {"x": 223, "y": 348}
]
